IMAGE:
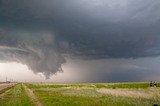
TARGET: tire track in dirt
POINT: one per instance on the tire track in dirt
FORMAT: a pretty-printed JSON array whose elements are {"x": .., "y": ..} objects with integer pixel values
[{"x": 32, "y": 96}]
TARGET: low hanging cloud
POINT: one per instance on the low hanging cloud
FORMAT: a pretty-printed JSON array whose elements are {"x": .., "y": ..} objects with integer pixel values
[
  {"x": 42, "y": 33},
  {"x": 36, "y": 50}
]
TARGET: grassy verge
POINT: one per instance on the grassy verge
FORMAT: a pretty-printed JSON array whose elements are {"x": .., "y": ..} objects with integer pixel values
[{"x": 15, "y": 97}]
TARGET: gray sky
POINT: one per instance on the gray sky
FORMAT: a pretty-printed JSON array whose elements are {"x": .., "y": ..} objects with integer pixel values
[{"x": 81, "y": 40}]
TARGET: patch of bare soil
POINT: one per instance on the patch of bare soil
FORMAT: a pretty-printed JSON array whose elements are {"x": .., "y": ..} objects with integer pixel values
[
  {"x": 148, "y": 93},
  {"x": 32, "y": 96},
  {"x": 6, "y": 85}
]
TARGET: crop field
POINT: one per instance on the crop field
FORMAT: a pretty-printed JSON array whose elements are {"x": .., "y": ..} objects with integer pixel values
[{"x": 91, "y": 94}]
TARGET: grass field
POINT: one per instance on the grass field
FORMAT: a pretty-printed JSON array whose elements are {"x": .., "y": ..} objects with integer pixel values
[
  {"x": 15, "y": 96},
  {"x": 112, "y": 94}
]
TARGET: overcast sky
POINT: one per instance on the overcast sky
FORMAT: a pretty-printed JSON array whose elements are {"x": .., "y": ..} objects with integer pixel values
[{"x": 80, "y": 40}]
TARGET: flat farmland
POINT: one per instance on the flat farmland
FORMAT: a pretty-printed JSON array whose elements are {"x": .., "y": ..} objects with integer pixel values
[{"x": 87, "y": 94}]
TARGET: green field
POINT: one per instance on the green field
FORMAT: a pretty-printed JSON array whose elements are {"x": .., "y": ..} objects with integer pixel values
[
  {"x": 15, "y": 96},
  {"x": 92, "y": 94}
]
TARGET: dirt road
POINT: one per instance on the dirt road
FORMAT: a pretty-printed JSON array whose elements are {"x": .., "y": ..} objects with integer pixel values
[
  {"x": 32, "y": 96},
  {"x": 6, "y": 85}
]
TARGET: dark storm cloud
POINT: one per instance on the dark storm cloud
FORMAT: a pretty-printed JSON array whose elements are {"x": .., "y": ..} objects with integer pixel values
[
  {"x": 115, "y": 70},
  {"x": 40, "y": 33},
  {"x": 36, "y": 49}
]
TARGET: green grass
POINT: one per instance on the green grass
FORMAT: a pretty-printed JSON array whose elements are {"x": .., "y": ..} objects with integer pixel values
[
  {"x": 86, "y": 95},
  {"x": 76, "y": 95},
  {"x": 15, "y": 96},
  {"x": 123, "y": 85},
  {"x": 58, "y": 85},
  {"x": 94, "y": 85},
  {"x": 59, "y": 98}
]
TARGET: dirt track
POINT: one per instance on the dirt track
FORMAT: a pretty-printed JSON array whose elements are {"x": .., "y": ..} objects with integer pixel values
[
  {"x": 32, "y": 96},
  {"x": 6, "y": 85}
]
